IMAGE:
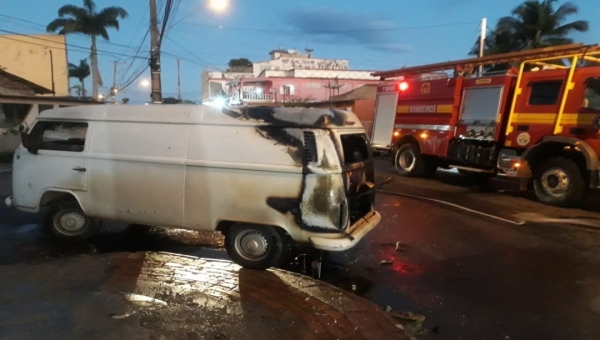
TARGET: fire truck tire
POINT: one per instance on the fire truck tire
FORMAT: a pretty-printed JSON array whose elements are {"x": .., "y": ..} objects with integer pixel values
[
  {"x": 409, "y": 162},
  {"x": 558, "y": 181}
]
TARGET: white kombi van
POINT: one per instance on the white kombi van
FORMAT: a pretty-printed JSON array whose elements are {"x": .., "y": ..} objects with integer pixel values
[{"x": 262, "y": 176}]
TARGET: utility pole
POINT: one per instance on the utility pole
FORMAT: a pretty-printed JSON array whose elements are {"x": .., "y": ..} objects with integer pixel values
[
  {"x": 113, "y": 89},
  {"x": 178, "y": 82},
  {"x": 155, "y": 55},
  {"x": 52, "y": 74},
  {"x": 482, "y": 41}
]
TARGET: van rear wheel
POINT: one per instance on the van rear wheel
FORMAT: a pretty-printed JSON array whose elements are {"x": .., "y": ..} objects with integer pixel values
[
  {"x": 256, "y": 246},
  {"x": 67, "y": 221}
]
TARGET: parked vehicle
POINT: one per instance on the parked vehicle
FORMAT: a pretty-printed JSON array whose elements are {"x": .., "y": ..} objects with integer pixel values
[
  {"x": 540, "y": 123},
  {"x": 265, "y": 177}
]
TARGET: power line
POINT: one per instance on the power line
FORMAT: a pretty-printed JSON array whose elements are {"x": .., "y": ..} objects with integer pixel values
[
  {"x": 79, "y": 35},
  {"x": 280, "y": 31},
  {"x": 85, "y": 49},
  {"x": 193, "y": 54}
]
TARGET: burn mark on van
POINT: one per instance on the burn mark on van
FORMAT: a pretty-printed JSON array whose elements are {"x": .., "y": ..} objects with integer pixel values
[
  {"x": 320, "y": 202},
  {"x": 286, "y": 138},
  {"x": 296, "y": 117},
  {"x": 284, "y": 205}
]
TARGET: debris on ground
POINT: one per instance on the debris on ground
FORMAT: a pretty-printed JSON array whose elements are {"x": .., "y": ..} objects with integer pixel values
[
  {"x": 143, "y": 300},
  {"x": 413, "y": 322},
  {"x": 386, "y": 263},
  {"x": 122, "y": 316},
  {"x": 407, "y": 316},
  {"x": 401, "y": 246}
]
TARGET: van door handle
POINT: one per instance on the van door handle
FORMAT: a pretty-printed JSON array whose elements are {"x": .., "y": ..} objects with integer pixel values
[{"x": 78, "y": 168}]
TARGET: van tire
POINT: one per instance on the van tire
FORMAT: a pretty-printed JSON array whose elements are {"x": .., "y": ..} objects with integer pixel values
[
  {"x": 549, "y": 188},
  {"x": 256, "y": 246},
  {"x": 409, "y": 162},
  {"x": 67, "y": 221}
]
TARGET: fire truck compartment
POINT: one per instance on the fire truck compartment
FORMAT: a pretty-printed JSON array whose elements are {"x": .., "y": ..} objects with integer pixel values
[{"x": 481, "y": 105}]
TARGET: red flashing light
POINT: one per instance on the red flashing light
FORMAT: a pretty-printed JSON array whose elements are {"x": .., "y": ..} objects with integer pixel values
[{"x": 403, "y": 86}]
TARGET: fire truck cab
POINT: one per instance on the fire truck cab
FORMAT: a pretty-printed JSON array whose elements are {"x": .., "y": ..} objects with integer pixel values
[{"x": 539, "y": 122}]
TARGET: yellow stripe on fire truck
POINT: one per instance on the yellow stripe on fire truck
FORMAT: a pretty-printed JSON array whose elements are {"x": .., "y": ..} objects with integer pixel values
[{"x": 550, "y": 118}]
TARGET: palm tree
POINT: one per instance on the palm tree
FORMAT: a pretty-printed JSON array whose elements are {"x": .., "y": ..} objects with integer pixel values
[
  {"x": 533, "y": 24},
  {"x": 88, "y": 21},
  {"x": 80, "y": 72}
]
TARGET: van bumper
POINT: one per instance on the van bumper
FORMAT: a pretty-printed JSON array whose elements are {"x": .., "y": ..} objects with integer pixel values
[
  {"x": 9, "y": 201},
  {"x": 345, "y": 242}
]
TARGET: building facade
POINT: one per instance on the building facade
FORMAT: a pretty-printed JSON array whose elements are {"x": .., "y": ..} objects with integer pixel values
[
  {"x": 39, "y": 59},
  {"x": 287, "y": 76}
]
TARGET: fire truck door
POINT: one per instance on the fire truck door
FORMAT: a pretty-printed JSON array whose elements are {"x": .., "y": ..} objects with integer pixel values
[
  {"x": 535, "y": 113},
  {"x": 385, "y": 116}
]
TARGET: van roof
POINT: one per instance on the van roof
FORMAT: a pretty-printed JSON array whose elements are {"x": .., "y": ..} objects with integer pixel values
[{"x": 204, "y": 114}]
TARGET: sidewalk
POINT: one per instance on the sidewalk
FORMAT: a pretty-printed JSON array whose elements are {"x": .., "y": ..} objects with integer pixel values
[{"x": 168, "y": 296}]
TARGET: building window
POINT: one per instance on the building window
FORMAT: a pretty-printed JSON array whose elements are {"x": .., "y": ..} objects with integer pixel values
[
  {"x": 313, "y": 85},
  {"x": 62, "y": 136},
  {"x": 287, "y": 90},
  {"x": 545, "y": 92},
  {"x": 592, "y": 93}
]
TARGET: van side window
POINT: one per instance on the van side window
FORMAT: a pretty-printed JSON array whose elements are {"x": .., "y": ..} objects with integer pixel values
[
  {"x": 355, "y": 148},
  {"x": 62, "y": 136},
  {"x": 545, "y": 92},
  {"x": 592, "y": 93}
]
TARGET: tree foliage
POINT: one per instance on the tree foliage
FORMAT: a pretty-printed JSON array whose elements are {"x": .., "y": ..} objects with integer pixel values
[
  {"x": 80, "y": 72},
  {"x": 533, "y": 24},
  {"x": 239, "y": 63},
  {"x": 92, "y": 22}
]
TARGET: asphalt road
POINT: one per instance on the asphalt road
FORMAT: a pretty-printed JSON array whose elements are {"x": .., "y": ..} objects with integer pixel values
[{"x": 507, "y": 268}]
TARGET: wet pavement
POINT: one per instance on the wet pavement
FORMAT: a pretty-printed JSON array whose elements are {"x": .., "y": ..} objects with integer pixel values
[
  {"x": 534, "y": 274},
  {"x": 150, "y": 295}
]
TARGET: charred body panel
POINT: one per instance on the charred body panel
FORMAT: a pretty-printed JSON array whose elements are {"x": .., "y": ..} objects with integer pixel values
[
  {"x": 292, "y": 117},
  {"x": 329, "y": 198}
]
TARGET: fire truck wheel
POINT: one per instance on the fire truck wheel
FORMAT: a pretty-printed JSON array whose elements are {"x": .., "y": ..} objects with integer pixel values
[
  {"x": 409, "y": 162},
  {"x": 559, "y": 182}
]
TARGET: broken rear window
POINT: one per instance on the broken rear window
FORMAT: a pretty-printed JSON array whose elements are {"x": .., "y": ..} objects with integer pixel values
[{"x": 356, "y": 148}]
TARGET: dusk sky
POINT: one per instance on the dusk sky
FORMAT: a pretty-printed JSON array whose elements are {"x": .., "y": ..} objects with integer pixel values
[{"x": 373, "y": 35}]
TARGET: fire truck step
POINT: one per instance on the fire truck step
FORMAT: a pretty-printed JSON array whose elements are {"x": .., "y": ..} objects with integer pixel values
[{"x": 472, "y": 169}]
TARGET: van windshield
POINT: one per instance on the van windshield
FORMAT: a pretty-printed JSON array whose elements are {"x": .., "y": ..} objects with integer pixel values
[{"x": 356, "y": 148}]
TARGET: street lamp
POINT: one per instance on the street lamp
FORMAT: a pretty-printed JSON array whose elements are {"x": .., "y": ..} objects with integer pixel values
[
  {"x": 145, "y": 83},
  {"x": 218, "y": 6}
]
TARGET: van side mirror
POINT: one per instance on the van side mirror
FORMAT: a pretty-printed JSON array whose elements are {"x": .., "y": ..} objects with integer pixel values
[{"x": 30, "y": 143}]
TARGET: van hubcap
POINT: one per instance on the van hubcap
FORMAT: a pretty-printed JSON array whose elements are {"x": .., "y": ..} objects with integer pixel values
[
  {"x": 251, "y": 245},
  {"x": 407, "y": 160},
  {"x": 71, "y": 222},
  {"x": 555, "y": 182}
]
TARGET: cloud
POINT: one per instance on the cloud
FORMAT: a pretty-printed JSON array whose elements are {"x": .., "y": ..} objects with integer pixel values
[{"x": 330, "y": 25}]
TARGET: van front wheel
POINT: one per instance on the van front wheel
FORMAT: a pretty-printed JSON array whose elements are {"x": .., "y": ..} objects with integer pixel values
[
  {"x": 255, "y": 246},
  {"x": 68, "y": 221}
]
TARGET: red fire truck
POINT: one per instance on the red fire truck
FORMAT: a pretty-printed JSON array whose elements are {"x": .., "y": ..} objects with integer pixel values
[{"x": 539, "y": 122}]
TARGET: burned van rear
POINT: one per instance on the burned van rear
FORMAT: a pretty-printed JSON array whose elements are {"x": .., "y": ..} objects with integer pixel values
[{"x": 342, "y": 179}]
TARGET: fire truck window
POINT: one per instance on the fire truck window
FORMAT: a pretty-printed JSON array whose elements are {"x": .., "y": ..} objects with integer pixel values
[
  {"x": 592, "y": 93},
  {"x": 545, "y": 92}
]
